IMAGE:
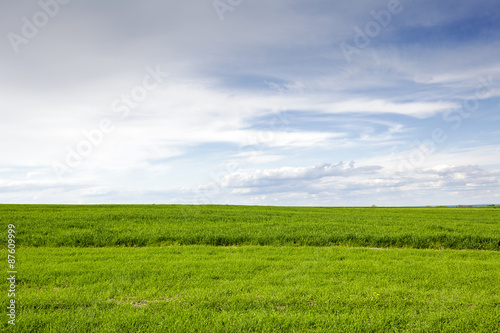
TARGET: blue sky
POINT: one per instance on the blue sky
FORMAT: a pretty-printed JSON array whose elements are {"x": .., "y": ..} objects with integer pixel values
[{"x": 311, "y": 103}]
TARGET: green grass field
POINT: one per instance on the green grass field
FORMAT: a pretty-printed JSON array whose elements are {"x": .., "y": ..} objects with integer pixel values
[
  {"x": 101, "y": 226},
  {"x": 254, "y": 269}
]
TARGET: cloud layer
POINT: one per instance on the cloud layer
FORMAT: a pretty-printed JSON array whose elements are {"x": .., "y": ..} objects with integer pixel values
[{"x": 167, "y": 102}]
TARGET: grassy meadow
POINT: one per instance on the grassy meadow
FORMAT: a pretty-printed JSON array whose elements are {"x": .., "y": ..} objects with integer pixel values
[
  {"x": 168, "y": 268},
  {"x": 161, "y": 225}
]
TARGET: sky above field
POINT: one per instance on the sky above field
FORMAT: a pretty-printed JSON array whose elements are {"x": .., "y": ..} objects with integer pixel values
[{"x": 314, "y": 103}]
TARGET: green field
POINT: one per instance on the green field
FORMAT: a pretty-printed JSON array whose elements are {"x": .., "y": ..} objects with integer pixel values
[
  {"x": 156, "y": 225},
  {"x": 161, "y": 268}
]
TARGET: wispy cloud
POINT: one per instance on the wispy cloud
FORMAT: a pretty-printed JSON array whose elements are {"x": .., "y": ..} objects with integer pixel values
[{"x": 261, "y": 99}]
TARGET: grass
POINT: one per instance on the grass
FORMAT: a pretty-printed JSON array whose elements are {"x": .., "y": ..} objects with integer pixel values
[
  {"x": 252, "y": 288},
  {"x": 254, "y": 269},
  {"x": 155, "y": 225}
]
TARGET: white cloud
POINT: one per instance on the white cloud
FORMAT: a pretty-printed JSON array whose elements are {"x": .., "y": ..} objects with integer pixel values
[
  {"x": 223, "y": 101},
  {"x": 414, "y": 109},
  {"x": 263, "y": 178},
  {"x": 340, "y": 184}
]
